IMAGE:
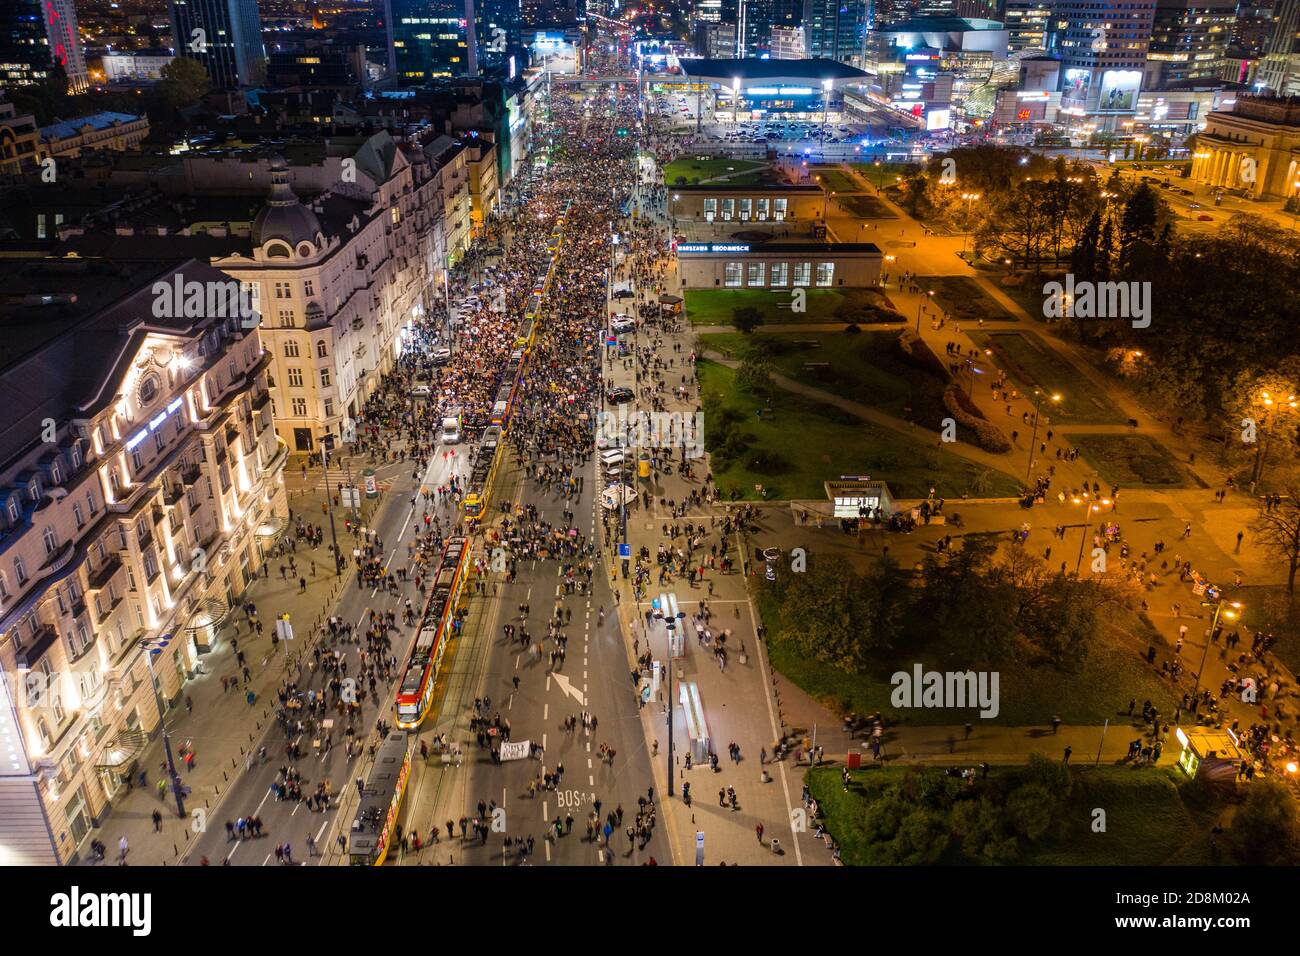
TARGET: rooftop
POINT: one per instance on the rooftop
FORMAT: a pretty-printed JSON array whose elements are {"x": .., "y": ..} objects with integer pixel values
[
  {"x": 755, "y": 69},
  {"x": 65, "y": 129}
]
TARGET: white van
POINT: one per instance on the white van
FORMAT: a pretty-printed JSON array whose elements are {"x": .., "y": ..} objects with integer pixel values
[
  {"x": 612, "y": 458},
  {"x": 451, "y": 426}
]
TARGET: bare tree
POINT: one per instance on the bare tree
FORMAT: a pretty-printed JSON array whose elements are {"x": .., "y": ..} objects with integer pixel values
[{"x": 1278, "y": 530}]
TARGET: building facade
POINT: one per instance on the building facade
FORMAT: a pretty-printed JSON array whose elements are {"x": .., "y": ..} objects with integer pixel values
[
  {"x": 778, "y": 265},
  {"x": 38, "y": 36},
  {"x": 1103, "y": 49},
  {"x": 429, "y": 39},
  {"x": 100, "y": 131},
  {"x": 1189, "y": 39},
  {"x": 224, "y": 35},
  {"x": 141, "y": 477},
  {"x": 1254, "y": 148}
]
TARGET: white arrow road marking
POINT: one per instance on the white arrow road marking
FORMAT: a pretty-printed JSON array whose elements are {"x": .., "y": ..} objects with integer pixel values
[{"x": 569, "y": 689}]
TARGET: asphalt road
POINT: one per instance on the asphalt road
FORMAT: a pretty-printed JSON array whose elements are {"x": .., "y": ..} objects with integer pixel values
[{"x": 290, "y": 821}]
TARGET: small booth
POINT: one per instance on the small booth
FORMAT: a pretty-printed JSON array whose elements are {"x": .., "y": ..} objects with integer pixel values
[
  {"x": 1213, "y": 754},
  {"x": 857, "y": 496},
  {"x": 697, "y": 731},
  {"x": 670, "y": 304}
]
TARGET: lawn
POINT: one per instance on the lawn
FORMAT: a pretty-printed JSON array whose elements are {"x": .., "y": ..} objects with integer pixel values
[
  {"x": 1032, "y": 364},
  {"x": 697, "y": 170},
  {"x": 833, "y": 179},
  {"x": 866, "y": 207},
  {"x": 806, "y": 442},
  {"x": 1131, "y": 461},
  {"x": 1152, "y": 817},
  {"x": 884, "y": 174},
  {"x": 716, "y": 306},
  {"x": 962, "y": 299},
  {"x": 866, "y": 368},
  {"x": 1108, "y": 677}
]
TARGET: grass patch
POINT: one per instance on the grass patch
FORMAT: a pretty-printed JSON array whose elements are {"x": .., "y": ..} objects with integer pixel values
[
  {"x": 1131, "y": 461},
  {"x": 962, "y": 299},
  {"x": 866, "y": 207},
  {"x": 716, "y": 306},
  {"x": 798, "y": 444},
  {"x": 1100, "y": 690},
  {"x": 833, "y": 179},
  {"x": 884, "y": 174},
  {"x": 697, "y": 170},
  {"x": 1152, "y": 816},
  {"x": 866, "y": 368},
  {"x": 1033, "y": 364}
]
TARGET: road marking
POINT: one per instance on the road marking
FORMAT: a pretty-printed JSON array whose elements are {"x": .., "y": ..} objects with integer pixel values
[{"x": 546, "y": 708}]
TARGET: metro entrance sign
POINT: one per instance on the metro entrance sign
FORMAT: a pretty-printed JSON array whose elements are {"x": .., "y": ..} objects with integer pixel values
[{"x": 728, "y": 247}]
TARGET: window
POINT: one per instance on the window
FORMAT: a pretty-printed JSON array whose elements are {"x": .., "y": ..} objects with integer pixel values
[
  {"x": 56, "y": 475},
  {"x": 51, "y": 541},
  {"x": 286, "y": 318},
  {"x": 322, "y": 350},
  {"x": 282, "y": 290},
  {"x": 778, "y": 208},
  {"x": 324, "y": 378},
  {"x": 731, "y": 275},
  {"x": 728, "y": 208},
  {"x": 803, "y": 273},
  {"x": 290, "y": 349},
  {"x": 746, "y": 208},
  {"x": 15, "y": 512},
  {"x": 329, "y": 408},
  {"x": 137, "y": 461},
  {"x": 308, "y": 289},
  {"x": 295, "y": 378},
  {"x": 762, "y": 210},
  {"x": 756, "y": 270},
  {"x": 150, "y": 565},
  {"x": 825, "y": 273},
  {"x": 4, "y": 586},
  {"x": 780, "y": 273},
  {"x": 90, "y": 503},
  {"x": 299, "y": 408},
  {"x": 710, "y": 209},
  {"x": 77, "y": 516},
  {"x": 158, "y": 440},
  {"x": 74, "y": 454}
]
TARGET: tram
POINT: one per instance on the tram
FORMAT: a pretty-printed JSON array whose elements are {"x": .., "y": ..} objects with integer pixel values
[
  {"x": 437, "y": 623},
  {"x": 371, "y": 835}
]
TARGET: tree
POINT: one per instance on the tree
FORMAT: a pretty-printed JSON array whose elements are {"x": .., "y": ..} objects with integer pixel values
[
  {"x": 1278, "y": 532},
  {"x": 1265, "y": 830},
  {"x": 1029, "y": 811},
  {"x": 184, "y": 82},
  {"x": 837, "y": 616},
  {"x": 754, "y": 374},
  {"x": 746, "y": 319}
]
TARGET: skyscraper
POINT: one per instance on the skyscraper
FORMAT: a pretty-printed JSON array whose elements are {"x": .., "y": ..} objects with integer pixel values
[
  {"x": 428, "y": 39},
  {"x": 1189, "y": 39},
  {"x": 225, "y": 36},
  {"x": 1279, "y": 71},
  {"x": 1103, "y": 49},
  {"x": 35, "y": 35},
  {"x": 1026, "y": 22},
  {"x": 834, "y": 29}
]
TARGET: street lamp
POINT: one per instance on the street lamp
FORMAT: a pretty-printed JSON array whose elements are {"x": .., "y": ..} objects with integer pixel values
[
  {"x": 1038, "y": 402},
  {"x": 151, "y": 650},
  {"x": 671, "y": 615},
  {"x": 1269, "y": 402},
  {"x": 1093, "y": 507},
  {"x": 1229, "y": 609},
  {"x": 919, "y": 306},
  {"x": 970, "y": 198}
]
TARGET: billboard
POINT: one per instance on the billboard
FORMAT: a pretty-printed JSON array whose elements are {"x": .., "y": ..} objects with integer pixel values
[
  {"x": 1076, "y": 84},
  {"x": 1119, "y": 91},
  {"x": 938, "y": 119}
]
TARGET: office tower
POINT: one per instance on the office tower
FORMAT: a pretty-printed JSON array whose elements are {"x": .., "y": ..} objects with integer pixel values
[
  {"x": 1103, "y": 50},
  {"x": 225, "y": 36},
  {"x": 1279, "y": 71},
  {"x": 755, "y": 33},
  {"x": 1188, "y": 39},
  {"x": 498, "y": 30},
  {"x": 834, "y": 29},
  {"x": 35, "y": 35},
  {"x": 1026, "y": 22},
  {"x": 788, "y": 43},
  {"x": 428, "y": 39},
  {"x": 980, "y": 9}
]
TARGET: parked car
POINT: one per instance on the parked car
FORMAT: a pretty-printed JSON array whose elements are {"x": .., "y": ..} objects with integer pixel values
[{"x": 619, "y": 396}]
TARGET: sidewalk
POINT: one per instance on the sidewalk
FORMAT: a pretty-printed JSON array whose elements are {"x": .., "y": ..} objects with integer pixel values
[{"x": 222, "y": 726}]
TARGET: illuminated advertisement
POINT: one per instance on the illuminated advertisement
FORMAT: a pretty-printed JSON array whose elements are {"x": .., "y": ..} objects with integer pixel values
[
  {"x": 1119, "y": 91},
  {"x": 938, "y": 119},
  {"x": 1076, "y": 85}
]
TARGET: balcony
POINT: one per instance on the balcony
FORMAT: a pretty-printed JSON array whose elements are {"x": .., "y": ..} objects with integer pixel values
[
  {"x": 59, "y": 559},
  {"x": 30, "y": 656},
  {"x": 172, "y": 494},
  {"x": 261, "y": 401},
  {"x": 100, "y": 577},
  {"x": 190, "y": 475}
]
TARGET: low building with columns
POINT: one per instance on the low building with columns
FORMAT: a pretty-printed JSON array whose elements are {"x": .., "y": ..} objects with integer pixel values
[{"x": 1254, "y": 148}]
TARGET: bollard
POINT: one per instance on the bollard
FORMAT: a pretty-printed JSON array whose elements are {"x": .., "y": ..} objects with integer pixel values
[
  {"x": 776, "y": 845},
  {"x": 175, "y": 852}
]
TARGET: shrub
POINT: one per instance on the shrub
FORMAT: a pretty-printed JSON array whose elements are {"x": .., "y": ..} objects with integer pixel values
[
  {"x": 852, "y": 329},
  {"x": 987, "y": 435}
]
